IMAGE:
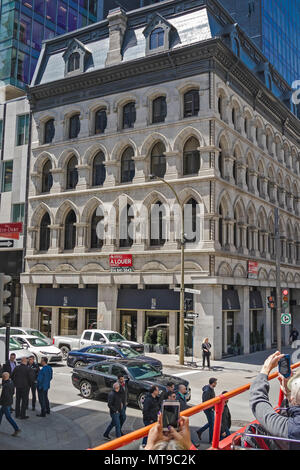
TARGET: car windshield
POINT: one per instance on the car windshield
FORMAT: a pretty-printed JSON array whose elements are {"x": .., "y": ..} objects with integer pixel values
[
  {"x": 14, "y": 345},
  {"x": 114, "y": 337},
  {"x": 128, "y": 352},
  {"x": 36, "y": 333},
  {"x": 36, "y": 342},
  {"x": 143, "y": 371}
]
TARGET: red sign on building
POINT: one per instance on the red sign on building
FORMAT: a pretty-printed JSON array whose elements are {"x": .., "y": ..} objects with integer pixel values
[
  {"x": 11, "y": 230},
  {"x": 252, "y": 269},
  {"x": 120, "y": 261}
]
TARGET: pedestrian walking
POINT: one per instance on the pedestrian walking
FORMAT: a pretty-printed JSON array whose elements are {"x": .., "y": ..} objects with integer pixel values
[
  {"x": 21, "y": 380},
  {"x": 165, "y": 393},
  {"x": 115, "y": 407},
  {"x": 124, "y": 394},
  {"x": 43, "y": 384},
  {"x": 294, "y": 335},
  {"x": 226, "y": 420},
  {"x": 206, "y": 353},
  {"x": 151, "y": 408},
  {"x": 33, "y": 372},
  {"x": 6, "y": 401},
  {"x": 208, "y": 394},
  {"x": 182, "y": 397},
  {"x": 10, "y": 365}
]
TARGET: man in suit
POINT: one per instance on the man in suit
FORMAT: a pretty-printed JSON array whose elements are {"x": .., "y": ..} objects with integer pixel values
[
  {"x": 43, "y": 384},
  {"x": 21, "y": 380},
  {"x": 11, "y": 364},
  {"x": 33, "y": 372}
]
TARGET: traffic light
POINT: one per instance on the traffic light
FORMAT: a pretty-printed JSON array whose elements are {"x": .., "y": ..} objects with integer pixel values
[
  {"x": 271, "y": 302},
  {"x": 4, "y": 294},
  {"x": 285, "y": 299}
]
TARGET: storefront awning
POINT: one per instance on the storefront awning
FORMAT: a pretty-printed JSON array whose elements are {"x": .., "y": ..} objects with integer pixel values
[
  {"x": 148, "y": 299},
  {"x": 255, "y": 301},
  {"x": 230, "y": 300},
  {"x": 73, "y": 297}
]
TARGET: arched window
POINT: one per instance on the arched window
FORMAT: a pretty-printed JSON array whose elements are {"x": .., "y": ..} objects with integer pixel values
[
  {"x": 127, "y": 166},
  {"x": 221, "y": 238},
  {"x": 47, "y": 179},
  {"x": 100, "y": 121},
  {"x": 74, "y": 126},
  {"x": 157, "y": 38},
  {"x": 129, "y": 115},
  {"x": 221, "y": 163},
  {"x": 191, "y": 157},
  {"x": 220, "y": 106},
  {"x": 191, "y": 212},
  {"x": 97, "y": 235},
  {"x": 74, "y": 62},
  {"x": 72, "y": 173},
  {"x": 234, "y": 168},
  {"x": 234, "y": 117},
  {"x": 159, "y": 109},
  {"x": 49, "y": 131},
  {"x": 99, "y": 171},
  {"x": 126, "y": 227},
  {"x": 70, "y": 231},
  {"x": 157, "y": 232},
  {"x": 235, "y": 230},
  {"x": 45, "y": 233},
  {"x": 191, "y": 103},
  {"x": 158, "y": 160}
]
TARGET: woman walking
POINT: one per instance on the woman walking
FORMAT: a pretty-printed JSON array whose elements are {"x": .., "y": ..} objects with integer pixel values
[{"x": 206, "y": 353}]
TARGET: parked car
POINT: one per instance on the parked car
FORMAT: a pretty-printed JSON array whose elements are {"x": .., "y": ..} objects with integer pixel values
[
  {"x": 14, "y": 347},
  {"x": 97, "y": 379},
  {"x": 20, "y": 330},
  {"x": 39, "y": 348},
  {"x": 91, "y": 354},
  {"x": 93, "y": 338}
]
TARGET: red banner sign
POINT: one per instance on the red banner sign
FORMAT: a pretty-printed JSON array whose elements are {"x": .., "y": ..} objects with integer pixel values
[
  {"x": 252, "y": 269},
  {"x": 120, "y": 261},
  {"x": 11, "y": 230}
]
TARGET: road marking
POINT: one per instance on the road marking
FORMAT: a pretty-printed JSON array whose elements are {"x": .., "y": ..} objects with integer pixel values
[
  {"x": 68, "y": 405},
  {"x": 188, "y": 373},
  {"x": 62, "y": 373}
]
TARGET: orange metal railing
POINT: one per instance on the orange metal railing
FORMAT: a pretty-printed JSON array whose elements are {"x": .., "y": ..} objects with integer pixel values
[{"x": 217, "y": 402}]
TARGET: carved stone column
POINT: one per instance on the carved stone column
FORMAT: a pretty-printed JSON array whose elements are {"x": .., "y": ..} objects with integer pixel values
[
  {"x": 241, "y": 176},
  {"x": 83, "y": 177},
  {"x": 55, "y": 244},
  {"x": 81, "y": 230},
  {"x": 58, "y": 184},
  {"x": 228, "y": 168},
  {"x": 140, "y": 169},
  {"x": 172, "y": 163},
  {"x": 112, "y": 173}
]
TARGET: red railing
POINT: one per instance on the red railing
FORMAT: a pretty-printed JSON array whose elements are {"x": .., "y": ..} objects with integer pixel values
[{"x": 217, "y": 402}]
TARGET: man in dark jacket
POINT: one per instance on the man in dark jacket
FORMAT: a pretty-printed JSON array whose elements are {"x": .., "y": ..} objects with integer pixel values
[
  {"x": 6, "y": 401},
  {"x": 287, "y": 427},
  {"x": 181, "y": 397},
  {"x": 11, "y": 364},
  {"x": 43, "y": 384},
  {"x": 165, "y": 393},
  {"x": 151, "y": 408},
  {"x": 115, "y": 407},
  {"x": 33, "y": 372},
  {"x": 208, "y": 394},
  {"x": 21, "y": 380},
  {"x": 226, "y": 420},
  {"x": 124, "y": 394}
]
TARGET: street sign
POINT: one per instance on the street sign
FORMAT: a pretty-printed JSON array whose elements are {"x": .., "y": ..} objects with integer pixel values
[
  {"x": 6, "y": 243},
  {"x": 192, "y": 315},
  {"x": 189, "y": 291},
  {"x": 286, "y": 319}
]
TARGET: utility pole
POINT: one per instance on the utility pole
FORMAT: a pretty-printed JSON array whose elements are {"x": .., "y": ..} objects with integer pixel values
[{"x": 278, "y": 286}]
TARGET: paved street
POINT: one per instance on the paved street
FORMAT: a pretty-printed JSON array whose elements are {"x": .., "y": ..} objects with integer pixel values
[{"x": 76, "y": 423}]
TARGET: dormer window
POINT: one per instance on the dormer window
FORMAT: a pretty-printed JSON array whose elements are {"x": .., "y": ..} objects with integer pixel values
[
  {"x": 157, "y": 38},
  {"x": 74, "y": 62}
]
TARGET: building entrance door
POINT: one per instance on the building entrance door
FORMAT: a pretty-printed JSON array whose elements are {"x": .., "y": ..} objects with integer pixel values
[
  {"x": 228, "y": 332},
  {"x": 45, "y": 315},
  {"x": 128, "y": 324}
]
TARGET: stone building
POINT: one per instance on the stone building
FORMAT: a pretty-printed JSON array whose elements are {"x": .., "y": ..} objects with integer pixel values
[{"x": 177, "y": 90}]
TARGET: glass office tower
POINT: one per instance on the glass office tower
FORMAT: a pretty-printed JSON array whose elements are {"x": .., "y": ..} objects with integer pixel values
[
  {"x": 24, "y": 24},
  {"x": 275, "y": 28}
]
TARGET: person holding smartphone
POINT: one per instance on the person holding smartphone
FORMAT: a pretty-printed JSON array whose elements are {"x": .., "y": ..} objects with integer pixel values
[{"x": 287, "y": 427}]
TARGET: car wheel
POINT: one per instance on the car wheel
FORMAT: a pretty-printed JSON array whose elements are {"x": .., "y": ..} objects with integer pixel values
[
  {"x": 86, "y": 389},
  {"x": 65, "y": 351},
  {"x": 79, "y": 364},
  {"x": 141, "y": 400}
]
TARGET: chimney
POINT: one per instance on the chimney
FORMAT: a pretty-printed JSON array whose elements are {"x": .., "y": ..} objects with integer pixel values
[{"x": 117, "y": 21}]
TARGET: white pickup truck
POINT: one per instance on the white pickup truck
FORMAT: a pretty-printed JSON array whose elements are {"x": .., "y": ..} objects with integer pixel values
[{"x": 93, "y": 337}]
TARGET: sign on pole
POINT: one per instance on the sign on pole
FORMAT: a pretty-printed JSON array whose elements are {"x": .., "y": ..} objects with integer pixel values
[
  {"x": 286, "y": 319},
  {"x": 6, "y": 243},
  {"x": 189, "y": 291}
]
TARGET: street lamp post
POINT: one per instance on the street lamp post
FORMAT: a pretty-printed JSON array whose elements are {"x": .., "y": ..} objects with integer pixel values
[{"x": 182, "y": 242}]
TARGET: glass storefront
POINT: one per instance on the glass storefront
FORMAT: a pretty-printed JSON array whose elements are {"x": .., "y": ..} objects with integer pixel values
[
  {"x": 228, "y": 332},
  {"x": 128, "y": 324},
  {"x": 90, "y": 318},
  {"x": 156, "y": 321},
  {"x": 68, "y": 321},
  {"x": 45, "y": 321}
]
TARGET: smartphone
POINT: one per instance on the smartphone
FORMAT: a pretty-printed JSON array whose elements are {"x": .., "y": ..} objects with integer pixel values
[
  {"x": 284, "y": 366},
  {"x": 170, "y": 414}
]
